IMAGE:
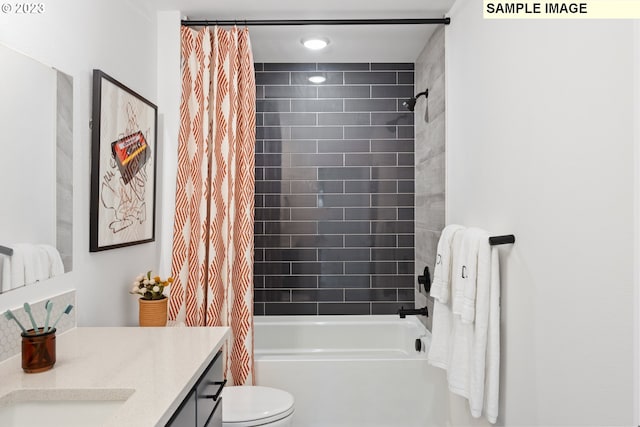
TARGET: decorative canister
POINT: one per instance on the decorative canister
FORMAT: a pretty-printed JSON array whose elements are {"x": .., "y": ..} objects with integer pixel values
[
  {"x": 38, "y": 351},
  {"x": 153, "y": 312}
]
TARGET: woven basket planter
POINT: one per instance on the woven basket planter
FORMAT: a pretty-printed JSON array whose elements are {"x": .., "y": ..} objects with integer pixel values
[{"x": 153, "y": 312}]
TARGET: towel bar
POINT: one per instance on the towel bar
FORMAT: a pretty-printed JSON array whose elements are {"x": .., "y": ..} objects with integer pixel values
[
  {"x": 502, "y": 240},
  {"x": 6, "y": 251}
]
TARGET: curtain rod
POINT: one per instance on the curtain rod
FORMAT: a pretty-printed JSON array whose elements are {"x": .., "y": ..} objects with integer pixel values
[{"x": 288, "y": 22}]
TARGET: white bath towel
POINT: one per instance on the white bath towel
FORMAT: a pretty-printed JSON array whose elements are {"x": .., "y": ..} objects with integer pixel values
[
  {"x": 29, "y": 264},
  {"x": 476, "y": 308},
  {"x": 492, "y": 376},
  {"x": 469, "y": 348},
  {"x": 54, "y": 261},
  {"x": 474, "y": 365},
  {"x": 462, "y": 338},
  {"x": 441, "y": 284},
  {"x": 441, "y": 330},
  {"x": 438, "y": 354}
]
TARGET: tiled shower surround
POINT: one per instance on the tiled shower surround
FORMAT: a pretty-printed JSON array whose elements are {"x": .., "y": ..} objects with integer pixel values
[
  {"x": 430, "y": 160},
  {"x": 334, "y": 230}
]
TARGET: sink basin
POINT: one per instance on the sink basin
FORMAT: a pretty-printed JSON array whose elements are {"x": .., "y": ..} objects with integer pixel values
[{"x": 60, "y": 407}]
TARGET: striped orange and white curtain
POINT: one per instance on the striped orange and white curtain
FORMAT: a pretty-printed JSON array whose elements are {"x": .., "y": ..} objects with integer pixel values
[{"x": 212, "y": 260}]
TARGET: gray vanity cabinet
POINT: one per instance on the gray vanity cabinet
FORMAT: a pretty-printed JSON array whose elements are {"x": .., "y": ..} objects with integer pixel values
[
  {"x": 186, "y": 413},
  {"x": 203, "y": 405}
]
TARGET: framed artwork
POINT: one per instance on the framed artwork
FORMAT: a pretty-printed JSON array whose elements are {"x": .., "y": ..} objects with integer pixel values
[{"x": 123, "y": 166}]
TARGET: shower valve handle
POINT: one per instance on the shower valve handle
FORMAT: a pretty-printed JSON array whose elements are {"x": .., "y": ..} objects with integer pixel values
[{"x": 425, "y": 279}]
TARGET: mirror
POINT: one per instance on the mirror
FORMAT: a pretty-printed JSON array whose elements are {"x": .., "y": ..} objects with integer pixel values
[{"x": 36, "y": 169}]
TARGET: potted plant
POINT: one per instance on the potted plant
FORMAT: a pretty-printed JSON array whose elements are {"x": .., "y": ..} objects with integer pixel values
[{"x": 152, "y": 301}]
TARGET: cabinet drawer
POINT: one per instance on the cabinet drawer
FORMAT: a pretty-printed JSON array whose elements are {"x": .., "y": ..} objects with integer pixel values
[{"x": 208, "y": 391}]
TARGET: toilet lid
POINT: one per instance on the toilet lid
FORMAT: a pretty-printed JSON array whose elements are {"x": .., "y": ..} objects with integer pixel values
[{"x": 245, "y": 405}]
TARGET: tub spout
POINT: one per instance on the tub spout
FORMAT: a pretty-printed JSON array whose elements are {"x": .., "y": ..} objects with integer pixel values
[{"x": 419, "y": 311}]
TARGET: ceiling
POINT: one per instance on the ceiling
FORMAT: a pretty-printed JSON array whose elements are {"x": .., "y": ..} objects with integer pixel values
[{"x": 379, "y": 43}]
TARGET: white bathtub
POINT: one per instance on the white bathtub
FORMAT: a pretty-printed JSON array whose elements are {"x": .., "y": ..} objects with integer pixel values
[{"x": 351, "y": 371}]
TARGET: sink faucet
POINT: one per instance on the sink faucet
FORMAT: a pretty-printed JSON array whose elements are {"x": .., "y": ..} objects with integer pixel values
[{"x": 419, "y": 311}]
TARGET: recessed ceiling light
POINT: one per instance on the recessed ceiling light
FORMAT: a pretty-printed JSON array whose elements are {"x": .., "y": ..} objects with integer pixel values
[
  {"x": 317, "y": 79},
  {"x": 315, "y": 43}
]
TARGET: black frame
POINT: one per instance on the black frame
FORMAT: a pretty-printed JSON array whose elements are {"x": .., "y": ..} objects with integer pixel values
[{"x": 98, "y": 77}]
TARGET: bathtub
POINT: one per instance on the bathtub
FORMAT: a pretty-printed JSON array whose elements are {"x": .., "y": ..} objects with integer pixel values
[{"x": 351, "y": 371}]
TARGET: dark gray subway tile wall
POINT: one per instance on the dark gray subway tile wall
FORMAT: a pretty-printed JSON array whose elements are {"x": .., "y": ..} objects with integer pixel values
[{"x": 334, "y": 189}]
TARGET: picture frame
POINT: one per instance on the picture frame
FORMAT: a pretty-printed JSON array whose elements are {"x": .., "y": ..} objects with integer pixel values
[{"x": 123, "y": 166}]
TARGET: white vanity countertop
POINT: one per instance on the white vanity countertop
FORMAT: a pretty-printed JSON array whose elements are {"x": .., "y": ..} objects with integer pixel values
[{"x": 160, "y": 364}]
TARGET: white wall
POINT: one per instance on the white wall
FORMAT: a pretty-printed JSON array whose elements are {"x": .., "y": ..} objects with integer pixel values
[
  {"x": 169, "y": 92},
  {"x": 636, "y": 230},
  {"x": 119, "y": 38},
  {"x": 540, "y": 144}
]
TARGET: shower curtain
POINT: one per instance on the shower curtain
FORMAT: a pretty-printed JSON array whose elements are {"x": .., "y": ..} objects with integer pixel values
[{"x": 212, "y": 260}]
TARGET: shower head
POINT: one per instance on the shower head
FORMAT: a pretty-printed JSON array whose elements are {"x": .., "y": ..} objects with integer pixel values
[{"x": 411, "y": 102}]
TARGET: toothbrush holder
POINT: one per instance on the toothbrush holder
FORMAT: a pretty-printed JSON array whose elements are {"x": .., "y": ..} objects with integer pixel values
[{"x": 38, "y": 351}]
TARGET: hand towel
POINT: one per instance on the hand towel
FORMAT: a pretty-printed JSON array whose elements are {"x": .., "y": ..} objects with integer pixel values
[
  {"x": 478, "y": 260},
  {"x": 54, "y": 261},
  {"x": 464, "y": 271},
  {"x": 477, "y": 306},
  {"x": 441, "y": 284},
  {"x": 464, "y": 341},
  {"x": 441, "y": 329}
]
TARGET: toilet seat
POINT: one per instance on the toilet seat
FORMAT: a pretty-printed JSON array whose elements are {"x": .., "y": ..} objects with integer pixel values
[{"x": 248, "y": 406}]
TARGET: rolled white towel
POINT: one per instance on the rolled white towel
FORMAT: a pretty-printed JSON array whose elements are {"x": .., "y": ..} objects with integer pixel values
[
  {"x": 40, "y": 263},
  {"x": 18, "y": 267},
  {"x": 31, "y": 263},
  {"x": 55, "y": 266}
]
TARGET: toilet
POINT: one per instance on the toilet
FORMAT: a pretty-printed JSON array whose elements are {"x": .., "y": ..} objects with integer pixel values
[{"x": 250, "y": 406}]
